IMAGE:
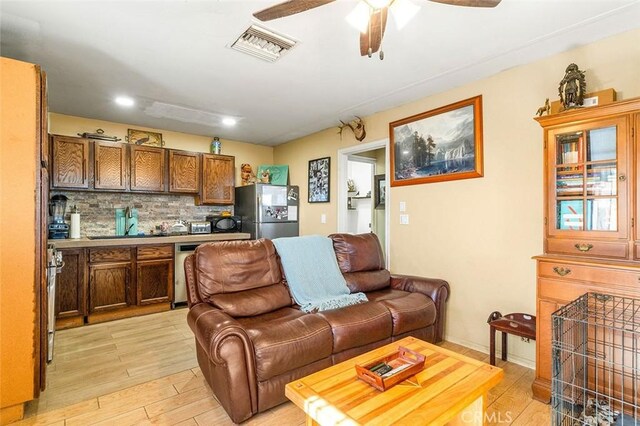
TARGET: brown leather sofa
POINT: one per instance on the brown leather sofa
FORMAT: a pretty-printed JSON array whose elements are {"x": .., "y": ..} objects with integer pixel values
[{"x": 251, "y": 339}]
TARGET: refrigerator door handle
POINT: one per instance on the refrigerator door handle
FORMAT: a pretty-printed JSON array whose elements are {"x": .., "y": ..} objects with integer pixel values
[{"x": 259, "y": 208}]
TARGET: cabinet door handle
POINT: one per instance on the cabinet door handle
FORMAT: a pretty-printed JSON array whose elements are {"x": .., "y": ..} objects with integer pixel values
[
  {"x": 583, "y": 247},
  {"x": 561, "y": 271}
]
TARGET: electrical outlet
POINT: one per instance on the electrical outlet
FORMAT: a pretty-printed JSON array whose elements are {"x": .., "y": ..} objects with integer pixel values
[
  {"x": 404, "y": 219},
  {"x": 403, "y": 206},
  {"x": 323, "y": 218}
]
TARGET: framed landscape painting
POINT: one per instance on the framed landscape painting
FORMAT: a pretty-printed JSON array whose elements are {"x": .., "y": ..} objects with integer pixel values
[
  {"x": 438, "y": 145},
  {"x": 319, "y": 172}
]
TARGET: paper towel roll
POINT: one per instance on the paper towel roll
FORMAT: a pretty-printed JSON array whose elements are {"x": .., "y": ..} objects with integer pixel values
[{"x": 75, "y": 225}]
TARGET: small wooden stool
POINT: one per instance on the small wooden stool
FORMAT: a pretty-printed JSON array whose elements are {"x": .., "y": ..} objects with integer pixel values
[{"x": 523, "y": 325}]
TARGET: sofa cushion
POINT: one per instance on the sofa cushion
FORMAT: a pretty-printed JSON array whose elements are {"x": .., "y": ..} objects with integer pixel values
[
  {"x": 252, "y": 302},
  {"x": 410, "y": 312},
  {"x": 357, "y": 253},
  {"x": 236, "y": 266},
  {"x": 386, "y": 293},
  {"x": 358, "y": 325},
  {"x": 288, "y": 341}
]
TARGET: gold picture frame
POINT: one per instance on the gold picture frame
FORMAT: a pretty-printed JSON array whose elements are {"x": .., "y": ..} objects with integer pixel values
[
  {"x": 439, "y": 145},
  {"x": 144, "y": 137}
]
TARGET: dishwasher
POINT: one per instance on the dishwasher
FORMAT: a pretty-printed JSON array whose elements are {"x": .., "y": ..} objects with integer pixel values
[{"x": 180, "y": 290}]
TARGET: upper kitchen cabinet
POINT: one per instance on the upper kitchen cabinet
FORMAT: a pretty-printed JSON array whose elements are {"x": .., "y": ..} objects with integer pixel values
[
  {"x": 218, "y": 179},
  {"x": 110, "y": 167},
  {"x": 147, "y": 169},
  {"x": 184, "y": 171},
  {"x": 70, "y": 162}
]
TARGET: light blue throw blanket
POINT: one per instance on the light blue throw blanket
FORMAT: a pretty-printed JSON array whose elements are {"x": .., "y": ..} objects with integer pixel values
[{"x": 313, "y": 275}]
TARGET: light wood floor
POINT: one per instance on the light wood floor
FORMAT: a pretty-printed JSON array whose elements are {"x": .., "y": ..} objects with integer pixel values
[{"x": 143, "y": 370}]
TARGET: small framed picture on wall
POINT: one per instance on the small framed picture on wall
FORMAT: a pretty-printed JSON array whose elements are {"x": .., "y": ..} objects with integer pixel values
[{"x": 319, "y": 172}]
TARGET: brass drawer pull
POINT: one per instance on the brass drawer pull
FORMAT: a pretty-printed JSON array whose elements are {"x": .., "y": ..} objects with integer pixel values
[
  {"x": 584, "y": 247},
  {"x": 561, "y": 271}
]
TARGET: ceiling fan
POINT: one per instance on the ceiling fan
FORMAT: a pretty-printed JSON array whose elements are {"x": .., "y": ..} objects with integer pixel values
[{"x": 372, "y": 32}]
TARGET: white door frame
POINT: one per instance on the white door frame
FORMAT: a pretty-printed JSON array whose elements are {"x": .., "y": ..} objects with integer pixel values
[{"x": 343, "y": 157}]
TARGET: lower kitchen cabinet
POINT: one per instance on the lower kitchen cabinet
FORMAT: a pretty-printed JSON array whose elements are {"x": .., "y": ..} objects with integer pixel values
[
  {"x": 155, "y": 281},
  {"x": 154, "y": 274},
  {"x": 109, "y": 286},
  {"x": 71, "y": 289},
  {"x": 105, "y": 283}
]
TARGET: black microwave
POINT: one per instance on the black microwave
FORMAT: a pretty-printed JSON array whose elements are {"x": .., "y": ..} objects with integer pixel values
[{"x": 225, "y": 223}]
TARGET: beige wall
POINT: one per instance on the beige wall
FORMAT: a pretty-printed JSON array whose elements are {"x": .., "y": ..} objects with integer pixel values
[
  {"x": 255, "y": 155},
  {"x": 479, "y": 234},
  {"x": 18, "y": 132}
]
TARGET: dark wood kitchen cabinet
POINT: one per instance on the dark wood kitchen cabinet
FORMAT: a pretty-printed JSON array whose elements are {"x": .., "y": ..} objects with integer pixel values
[
  {"x": 70, "y": 162},
  {"x": 184, "y": 171},
  {"x": 154, "y": 278},
  {"x": 109, "y": 286},
  {"x": 218, "y": 180},
  {"x": 126, "y": 281},
  {"x": 71, "y": 289},
  {"x": 110, "y": 165},
  {"x": 110, "y": 279},
  {"x": 147, "y": 169}
]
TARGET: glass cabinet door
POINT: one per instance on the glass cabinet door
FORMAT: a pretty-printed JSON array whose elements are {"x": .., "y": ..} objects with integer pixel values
[{"x": 589, "y": 179}]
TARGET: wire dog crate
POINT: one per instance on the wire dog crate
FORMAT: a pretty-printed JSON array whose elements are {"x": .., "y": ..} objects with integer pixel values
[{"x": 596, "y": 362}]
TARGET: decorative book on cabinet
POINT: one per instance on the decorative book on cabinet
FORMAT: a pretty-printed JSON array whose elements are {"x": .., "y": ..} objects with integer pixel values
[{"x": 591, "y": 240}]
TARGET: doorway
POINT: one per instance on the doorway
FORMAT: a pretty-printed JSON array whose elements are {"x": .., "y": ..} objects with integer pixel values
[
  {"x": 376, "y": 154},
  {"x": 360, "y": 173}
]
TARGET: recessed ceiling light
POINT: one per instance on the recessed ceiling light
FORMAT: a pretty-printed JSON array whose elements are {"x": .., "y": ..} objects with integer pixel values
[
  {"x": 124, "y": 101},
  {"x": 228, "y": 121}
]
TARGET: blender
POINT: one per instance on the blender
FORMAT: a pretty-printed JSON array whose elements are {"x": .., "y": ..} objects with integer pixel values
[{"x": 58, "y": 228}]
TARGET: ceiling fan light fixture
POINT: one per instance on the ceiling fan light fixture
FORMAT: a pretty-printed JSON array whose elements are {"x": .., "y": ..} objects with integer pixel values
[
  {"x": 403, "y": 11},
  {"x": 358, "y": 18},
  {"x": 379, "y": 4}
]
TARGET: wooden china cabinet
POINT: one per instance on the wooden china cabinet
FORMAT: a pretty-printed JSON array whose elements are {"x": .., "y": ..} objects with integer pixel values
[{"x": 592, "y": 205}]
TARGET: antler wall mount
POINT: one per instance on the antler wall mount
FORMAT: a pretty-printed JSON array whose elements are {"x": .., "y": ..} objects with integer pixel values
[
  {"x": 374, "y": 12},
  {"x": 356, "y": 126}
]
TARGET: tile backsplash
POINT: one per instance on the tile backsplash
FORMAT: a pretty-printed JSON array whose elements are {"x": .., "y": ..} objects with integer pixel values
[{"x": 97, "y": 210}]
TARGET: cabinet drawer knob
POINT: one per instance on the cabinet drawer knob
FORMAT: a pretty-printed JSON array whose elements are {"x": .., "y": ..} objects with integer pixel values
[
  {"x": 584, "y": 247},
  {"x": 622, "y": 178},
  {"x": 561, "y": 271}
]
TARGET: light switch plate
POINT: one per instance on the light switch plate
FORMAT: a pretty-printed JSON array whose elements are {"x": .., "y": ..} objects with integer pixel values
[
  {"x": 403, "y": 206},
  {"x": 404, "y": 219},
  {"x": 323, "y": 218}
]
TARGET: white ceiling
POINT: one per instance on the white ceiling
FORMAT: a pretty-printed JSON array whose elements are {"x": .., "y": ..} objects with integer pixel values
[{"x": 175, "y": 52}]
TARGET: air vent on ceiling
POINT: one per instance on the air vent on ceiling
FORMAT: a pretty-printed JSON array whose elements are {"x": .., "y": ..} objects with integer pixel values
[{"x": 263, "y": 44}]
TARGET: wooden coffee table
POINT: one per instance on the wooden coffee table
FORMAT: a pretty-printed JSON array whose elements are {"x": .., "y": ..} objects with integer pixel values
[{"x": 451, "y": 389}]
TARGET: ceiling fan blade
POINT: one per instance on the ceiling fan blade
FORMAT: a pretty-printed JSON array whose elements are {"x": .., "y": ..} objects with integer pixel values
[
  {"x": 372, "y": 38},
  {"x": 287, "y": 8},
  {"x": 470, "y": 3}
]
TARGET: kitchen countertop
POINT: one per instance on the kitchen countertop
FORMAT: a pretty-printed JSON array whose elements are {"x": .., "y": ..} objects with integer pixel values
[{"x": 137, "y": 241}]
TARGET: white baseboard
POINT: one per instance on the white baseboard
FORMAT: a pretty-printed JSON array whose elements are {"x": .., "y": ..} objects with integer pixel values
[{"x": 485, "y": 350}]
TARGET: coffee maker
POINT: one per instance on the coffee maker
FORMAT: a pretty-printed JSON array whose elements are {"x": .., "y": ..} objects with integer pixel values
[{"x": 58, "y": 228}]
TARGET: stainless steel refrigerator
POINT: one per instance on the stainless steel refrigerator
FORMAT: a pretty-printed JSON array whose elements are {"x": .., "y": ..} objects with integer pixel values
[{"x": 268, "y": 211}]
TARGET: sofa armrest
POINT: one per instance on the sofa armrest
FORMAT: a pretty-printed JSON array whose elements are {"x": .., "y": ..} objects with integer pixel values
[
  {"x": 211, "y": 327},
  {"x": 230, "y": 369},
  {"x": 437, "y": 290}
]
